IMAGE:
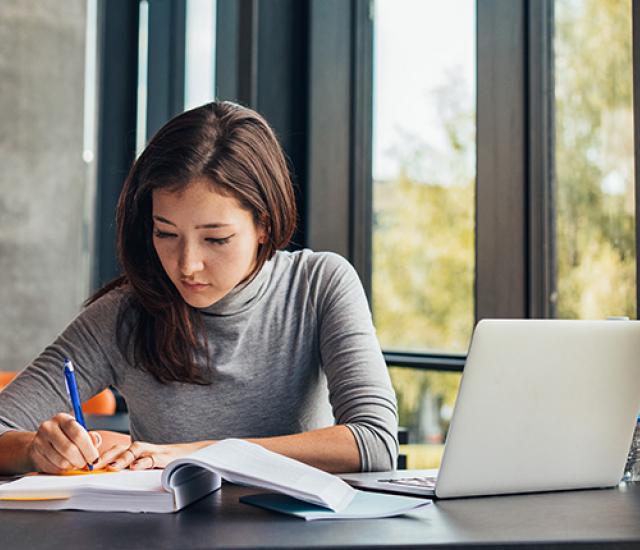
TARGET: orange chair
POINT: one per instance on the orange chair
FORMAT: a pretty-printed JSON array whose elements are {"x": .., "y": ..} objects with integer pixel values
[
  {"x": 102, "y": 403},
  {"x": 5, "y": 378}
]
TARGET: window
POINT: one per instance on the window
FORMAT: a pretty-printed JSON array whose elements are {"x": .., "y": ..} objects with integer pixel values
[
  {"x": 200, "y": 52},
  {"x": 425, "y": 405},
  {"x": 594, "y": 160},
  {"x": 423, "y": 201},
  {"x": 141, "y": 88}
]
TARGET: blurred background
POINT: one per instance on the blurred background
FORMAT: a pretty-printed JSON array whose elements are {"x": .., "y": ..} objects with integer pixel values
[{"x": 472, "y": 159}]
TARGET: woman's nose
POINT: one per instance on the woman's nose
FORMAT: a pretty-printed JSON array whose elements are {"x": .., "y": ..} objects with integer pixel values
[{"x": 190, "y": 261}]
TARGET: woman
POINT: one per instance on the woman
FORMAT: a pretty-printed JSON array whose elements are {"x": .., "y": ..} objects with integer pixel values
[{"x": 213, "y": 331}]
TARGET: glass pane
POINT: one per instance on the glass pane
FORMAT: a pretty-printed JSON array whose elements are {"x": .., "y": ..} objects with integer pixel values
[
  {"x": 595, "y": 236},
  {"x": 47, "y": 183},
  {"x": 425, "y": 406},
  {"x": 200, "y": 52},
  {"x": 143, "y": 58},
  {"x": 424, "y": 174}
]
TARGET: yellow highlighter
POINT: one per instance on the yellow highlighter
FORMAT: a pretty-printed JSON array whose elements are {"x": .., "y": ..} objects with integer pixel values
[
  {"x": 85, "y": 472},
  {"x": 46, "y": 497}
]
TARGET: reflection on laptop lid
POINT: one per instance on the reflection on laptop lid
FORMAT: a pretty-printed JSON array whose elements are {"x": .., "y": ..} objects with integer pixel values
[{"x": 543, "y": 405}]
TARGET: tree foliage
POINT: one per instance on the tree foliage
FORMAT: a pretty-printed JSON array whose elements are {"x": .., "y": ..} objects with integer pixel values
[
  {"x": 423, "y": 245},
  {"x": 423, "y": 254},
  {"x": 595, "y": 236}
]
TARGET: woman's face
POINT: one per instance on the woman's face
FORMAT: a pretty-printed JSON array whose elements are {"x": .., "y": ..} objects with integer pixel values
[{"x": 207, "y": 243}]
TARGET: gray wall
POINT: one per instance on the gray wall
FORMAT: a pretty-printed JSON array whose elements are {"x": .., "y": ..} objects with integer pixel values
[{"x": 44, "y": 183}]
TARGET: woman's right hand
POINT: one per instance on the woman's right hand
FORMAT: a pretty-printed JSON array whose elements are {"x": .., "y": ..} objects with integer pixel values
[{"x": 61, "y": 444}]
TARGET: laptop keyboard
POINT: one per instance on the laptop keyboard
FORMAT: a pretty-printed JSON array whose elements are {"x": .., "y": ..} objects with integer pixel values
[{"x": 422, "y": 482}]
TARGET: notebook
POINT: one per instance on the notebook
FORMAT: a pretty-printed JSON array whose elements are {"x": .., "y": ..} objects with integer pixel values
[
  {"x": 543, "y": 405},
  {"x": 190, "y": 478},
  {"x": 365, "y": 505}
]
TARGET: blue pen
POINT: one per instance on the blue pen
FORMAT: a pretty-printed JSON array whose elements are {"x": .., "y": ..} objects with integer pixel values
[{"x": 72, "y": 390}]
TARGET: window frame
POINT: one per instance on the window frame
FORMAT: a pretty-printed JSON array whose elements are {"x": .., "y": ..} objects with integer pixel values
[
  {"x": 515, "y": 256},
  {"x": 307, "y": 65},
  {"x": 116, "y": 125}
]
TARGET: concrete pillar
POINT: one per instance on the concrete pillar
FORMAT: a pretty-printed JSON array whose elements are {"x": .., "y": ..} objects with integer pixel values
[{"x": 44, "y": 183}]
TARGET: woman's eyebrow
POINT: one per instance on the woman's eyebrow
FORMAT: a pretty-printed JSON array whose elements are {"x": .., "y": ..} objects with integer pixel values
[
  {"x": 202, "y": 226},
  {"x": 163, "y": 220},
  {"x": 212, "y": 225}
]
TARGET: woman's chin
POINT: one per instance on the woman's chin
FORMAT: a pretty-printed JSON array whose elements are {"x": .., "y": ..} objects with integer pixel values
[{"x": 201, "y": 300}]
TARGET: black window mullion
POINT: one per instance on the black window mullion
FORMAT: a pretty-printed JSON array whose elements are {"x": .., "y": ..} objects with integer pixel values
[
  {"x": 248, "y": 37},
  {"x": 261, "y": 62},
  {"x": 165, "y": 62},
  {"x": 541, "y": 152},
  {"x": 227, "y": 46},
  {"x": 281, "y": 74},
  {"x": 116, "y": 122},
  {"x": 361, "y": 142},
  {"x": 453, "y": 362},
  {"x": 327, "y": 208},
  {"x": 501, "y": 198}
]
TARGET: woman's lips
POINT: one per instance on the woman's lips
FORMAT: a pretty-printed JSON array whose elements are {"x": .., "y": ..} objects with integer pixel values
[{"x": 194, "y": 286}]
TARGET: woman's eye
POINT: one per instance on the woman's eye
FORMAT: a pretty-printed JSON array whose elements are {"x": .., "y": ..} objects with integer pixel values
[
  {"x": 224, "y": 240},
  {"x": 163, "y": 234}
]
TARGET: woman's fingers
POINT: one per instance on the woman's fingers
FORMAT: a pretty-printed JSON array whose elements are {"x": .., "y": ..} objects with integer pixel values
[
  {"x": 62, "y": 444},
  {"x": 110, "y": 455},
  {"x": 96, "y": 438},
  {"x": 51, "y": 437},
  {"x": 125, "y": 459},
  {"x": 79, "y": 441},
  {"x": 142, "y": 456},
  {"x": 139, "y": 456},
  {"x": 143, "y": 463},
  {"x": 44, "y": 464}
]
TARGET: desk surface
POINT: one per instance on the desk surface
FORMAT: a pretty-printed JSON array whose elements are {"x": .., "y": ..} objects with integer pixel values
[{"x": 579, "y": 519}]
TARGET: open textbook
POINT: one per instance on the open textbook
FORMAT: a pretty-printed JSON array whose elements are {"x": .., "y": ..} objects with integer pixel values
[{"x": 188, "y": 479}]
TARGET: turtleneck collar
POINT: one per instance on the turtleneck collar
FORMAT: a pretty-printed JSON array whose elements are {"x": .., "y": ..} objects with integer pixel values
[{"x": 243, "y": 296}]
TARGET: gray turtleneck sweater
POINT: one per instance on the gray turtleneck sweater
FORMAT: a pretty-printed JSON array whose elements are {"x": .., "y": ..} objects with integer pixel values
[{"x": 293, "y": 350}]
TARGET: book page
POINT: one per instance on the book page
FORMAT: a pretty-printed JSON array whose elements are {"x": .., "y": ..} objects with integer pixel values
[
  {"x": 46, "y": 486},
  {"x": 246, "y": 463}
]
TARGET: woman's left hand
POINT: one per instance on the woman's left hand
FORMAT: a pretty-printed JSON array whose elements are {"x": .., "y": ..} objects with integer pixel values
[{"x": 143, "y": 456}]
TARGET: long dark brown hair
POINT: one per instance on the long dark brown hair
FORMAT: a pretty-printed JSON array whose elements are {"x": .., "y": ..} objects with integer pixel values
[{"x": 234, "y": 148}]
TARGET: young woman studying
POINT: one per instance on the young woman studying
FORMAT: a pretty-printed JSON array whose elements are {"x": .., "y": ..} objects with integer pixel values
[{"x": 213, "y": 330}]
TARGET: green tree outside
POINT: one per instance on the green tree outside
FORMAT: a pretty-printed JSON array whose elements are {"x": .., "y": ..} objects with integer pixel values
[
  {"x": 423, "y": 241},
  {"x": 595, "y": 234}
]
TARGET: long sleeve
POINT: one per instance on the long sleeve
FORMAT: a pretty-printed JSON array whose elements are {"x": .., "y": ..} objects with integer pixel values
[
  {"x": 360, "y": 390},
  {"x": 292, "y": 351},
  {"x": 39, "y": 391}
]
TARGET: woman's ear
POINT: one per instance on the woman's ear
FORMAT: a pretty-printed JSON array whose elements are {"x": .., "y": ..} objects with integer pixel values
[{"x": 263, "y": 230}]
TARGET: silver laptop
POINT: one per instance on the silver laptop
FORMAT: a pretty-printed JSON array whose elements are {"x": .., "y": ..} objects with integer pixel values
[{"x": 544, "y": 405}]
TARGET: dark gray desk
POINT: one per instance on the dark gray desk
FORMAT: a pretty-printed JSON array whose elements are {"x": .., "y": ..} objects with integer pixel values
[{"x": 581, "y": 519}]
